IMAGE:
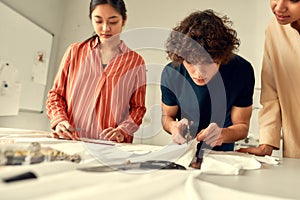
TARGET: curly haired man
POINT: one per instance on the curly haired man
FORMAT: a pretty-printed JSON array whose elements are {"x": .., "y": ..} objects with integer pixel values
[{"x": 206, "y": 86}]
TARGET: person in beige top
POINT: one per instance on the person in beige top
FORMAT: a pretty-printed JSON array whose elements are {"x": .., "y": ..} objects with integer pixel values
[{"x": 280, "y": 95}]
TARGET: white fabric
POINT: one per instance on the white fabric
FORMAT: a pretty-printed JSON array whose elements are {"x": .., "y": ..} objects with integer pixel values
[
  {"x": 162, "y": 184},
  {"x": 205, "y": 190},
  {"x": 123, "y": 153},
  {"x": 227, "y": 163},
  {"x": 61, "y": 180},
  {"x": 231, "y": 163},
  {"x": 267, "y": 159}
]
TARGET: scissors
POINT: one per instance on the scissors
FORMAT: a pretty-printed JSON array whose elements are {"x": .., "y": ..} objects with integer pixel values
[
  {"x": 188, "y": 135},
  {"x": 147, "y": 165}
]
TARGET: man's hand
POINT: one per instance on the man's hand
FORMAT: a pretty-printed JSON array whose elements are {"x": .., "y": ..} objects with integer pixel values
[
  {"x": 261, "y": 150},
  {"x": 211, "y": 135},
  {"x": 177, "y": 129}
]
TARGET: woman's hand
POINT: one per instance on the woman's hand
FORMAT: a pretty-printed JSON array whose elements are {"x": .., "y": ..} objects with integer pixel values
[
  {"x": 112, "y": 134},
  {"x": 64, "y": 130},
  {"x": 261, "y": 150},
  {"x": 211, "y": 135}
]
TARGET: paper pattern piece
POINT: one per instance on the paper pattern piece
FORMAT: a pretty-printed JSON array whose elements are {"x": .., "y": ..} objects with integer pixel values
[
  {"x": 118, "y": 154},
  {"x": 39, "y": 68},
  {"x": 10, "y": 89}
]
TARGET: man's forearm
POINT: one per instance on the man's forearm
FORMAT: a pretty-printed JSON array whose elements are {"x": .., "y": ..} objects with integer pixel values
[
  {"x": 167, "y": 123},
  {"x": 235, "y": 132}
]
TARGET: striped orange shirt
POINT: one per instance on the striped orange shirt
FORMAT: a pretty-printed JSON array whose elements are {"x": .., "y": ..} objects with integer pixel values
[{"x": 93, "y": 98}]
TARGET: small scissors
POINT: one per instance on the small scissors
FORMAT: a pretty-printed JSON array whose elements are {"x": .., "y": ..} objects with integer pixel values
[{"x": 188, "y": 135}]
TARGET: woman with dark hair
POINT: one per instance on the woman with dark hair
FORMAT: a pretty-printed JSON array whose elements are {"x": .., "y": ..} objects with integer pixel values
[
  {"x": 99, "y": 90},
  {"x": 207, "y": 88},
  {"x": 280, "y": 97}
]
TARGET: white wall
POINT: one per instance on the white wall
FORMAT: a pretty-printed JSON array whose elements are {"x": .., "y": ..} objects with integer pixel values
[
  {"x": 68, "y": 20},
  {"x": 48, "y": 14},
  {"x": 76, "y": 24},
  {"x": 249, "y": 17}
]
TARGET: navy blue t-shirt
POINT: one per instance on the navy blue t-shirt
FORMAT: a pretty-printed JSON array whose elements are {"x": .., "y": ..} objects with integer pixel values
[{"x": 232, "y": 86}]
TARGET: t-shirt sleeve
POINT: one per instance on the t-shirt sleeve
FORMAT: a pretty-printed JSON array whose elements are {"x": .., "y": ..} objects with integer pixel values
[{"x": 167, "y": 96}]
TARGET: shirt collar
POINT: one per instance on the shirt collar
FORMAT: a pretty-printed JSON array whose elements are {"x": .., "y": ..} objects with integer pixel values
[
  {"x": 122, "y": 46},
  {"x": 95, "y": 42}
]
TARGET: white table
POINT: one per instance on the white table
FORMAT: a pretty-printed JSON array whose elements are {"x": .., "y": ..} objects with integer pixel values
[
  {"x": 269, "y": 182},
  {"x": 281, "y": 180}
]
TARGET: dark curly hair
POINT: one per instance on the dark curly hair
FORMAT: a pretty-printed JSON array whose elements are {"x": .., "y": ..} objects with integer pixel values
[{"x": 202, "y": 37}]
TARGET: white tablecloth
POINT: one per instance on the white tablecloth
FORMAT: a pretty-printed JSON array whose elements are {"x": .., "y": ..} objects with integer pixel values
[{"x": 62, "y": 180}]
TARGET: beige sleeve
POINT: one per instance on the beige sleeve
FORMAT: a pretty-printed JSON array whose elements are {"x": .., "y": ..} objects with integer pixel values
[{"x": 270, "y": 115}]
